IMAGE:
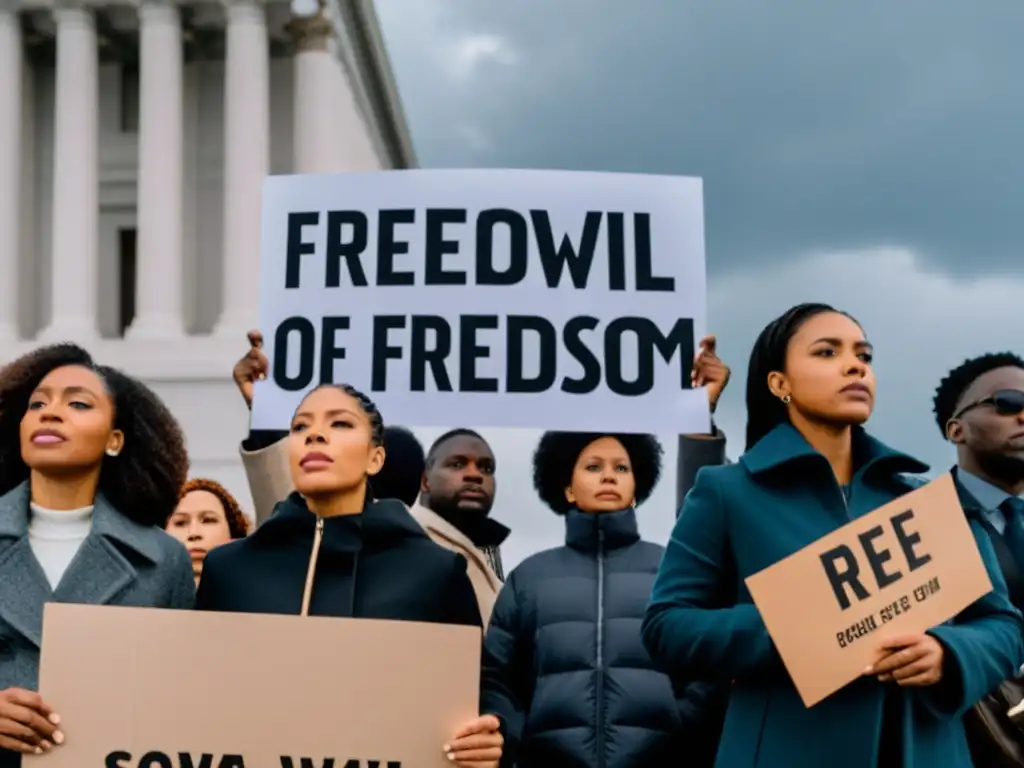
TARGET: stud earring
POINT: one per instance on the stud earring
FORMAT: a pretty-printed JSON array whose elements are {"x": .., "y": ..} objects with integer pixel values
[
  {"x": 787, "y": 399},
  {"x": 111, "y": 452}
]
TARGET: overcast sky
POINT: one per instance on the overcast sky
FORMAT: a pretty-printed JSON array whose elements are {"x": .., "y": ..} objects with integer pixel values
[{"x": 864, "y": 154}]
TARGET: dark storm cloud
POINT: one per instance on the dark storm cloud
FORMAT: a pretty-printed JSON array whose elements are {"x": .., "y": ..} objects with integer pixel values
[
  {"x": 848, "y": 149},
  {"x": 815, "y": 125}
]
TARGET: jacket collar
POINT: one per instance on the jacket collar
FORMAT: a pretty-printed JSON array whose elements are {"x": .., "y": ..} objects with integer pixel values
[
  {"x": 488, "y": 532},
  {"x": 382, "y": 523},
  {"x": 475, "y": 525},
  {"x": 985, "y": 496},
  {"x": 433, "y": 522},
  {"x": 585, "y": 531},
  {"x": 99, "y": 572},
  {"x": 785, "y": 446},
  {"x": 968, "y": 500},
  {"x": 106, "y": 522},
  {"x": 441, "y": 528}
]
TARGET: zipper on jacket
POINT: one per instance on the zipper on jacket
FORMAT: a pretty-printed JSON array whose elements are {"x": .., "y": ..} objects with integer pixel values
[
  {"x": 600, "y": 740},
  {"x": 844, "y": 499},
  {"x": 307, "y": 592}
]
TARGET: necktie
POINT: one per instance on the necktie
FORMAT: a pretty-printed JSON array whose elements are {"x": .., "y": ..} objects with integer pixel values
[{"x": 1013, "y": 513}]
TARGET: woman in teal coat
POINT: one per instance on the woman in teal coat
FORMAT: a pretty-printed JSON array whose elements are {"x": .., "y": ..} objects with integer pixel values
[{"x": 810, "y": 468}]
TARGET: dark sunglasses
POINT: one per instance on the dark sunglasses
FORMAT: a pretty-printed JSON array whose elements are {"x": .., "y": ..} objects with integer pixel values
[{"x": 1006, "y": 402}]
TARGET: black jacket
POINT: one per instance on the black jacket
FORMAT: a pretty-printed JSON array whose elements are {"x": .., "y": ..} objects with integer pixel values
[
  {"x": 984, "y": 747},
  {"x": 377, "y": 565},
  {"x": 1013, "y": 572},
  {"x": 564, "y": 640}
]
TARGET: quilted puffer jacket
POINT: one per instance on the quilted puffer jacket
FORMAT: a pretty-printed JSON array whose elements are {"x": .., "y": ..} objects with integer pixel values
[{"x": 565, "y": 668}]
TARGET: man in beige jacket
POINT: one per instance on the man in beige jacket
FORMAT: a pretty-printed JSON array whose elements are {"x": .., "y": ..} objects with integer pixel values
[{"x": 456, "y": 490}]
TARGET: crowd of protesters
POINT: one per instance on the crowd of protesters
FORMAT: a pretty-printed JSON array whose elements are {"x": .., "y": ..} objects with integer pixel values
[{"x": 606, "y": 652}]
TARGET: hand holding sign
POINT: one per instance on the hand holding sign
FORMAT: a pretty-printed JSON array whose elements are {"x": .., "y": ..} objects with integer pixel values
[
  {"x": 496, "y": 298},
  {"x": 869, "y": 591},
  {"x": 251, "y": 368},
  {"x": 27, "y": 724},
  {"x": 709, "y": 371},
  {"x": 913, "y": 660},
  {"x": 188, "y": 697},
  {"x": 477, "y": 744}
]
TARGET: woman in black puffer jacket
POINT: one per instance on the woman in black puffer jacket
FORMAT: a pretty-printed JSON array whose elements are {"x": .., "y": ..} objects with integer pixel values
[{"x": 564, "y": 637}]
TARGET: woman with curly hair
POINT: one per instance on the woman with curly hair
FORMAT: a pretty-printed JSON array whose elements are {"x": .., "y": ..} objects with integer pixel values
[
  {"x": 206, "y": 517},
  {"x": 91, "y": 463},
  {"x": 564, "y": 637}
]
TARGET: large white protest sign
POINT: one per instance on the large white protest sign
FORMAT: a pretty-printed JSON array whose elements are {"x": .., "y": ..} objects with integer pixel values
[{"x": 532, "y": 299}]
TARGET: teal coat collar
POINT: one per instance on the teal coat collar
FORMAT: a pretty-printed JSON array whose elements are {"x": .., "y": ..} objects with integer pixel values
[{"x": 784, "y": 446}]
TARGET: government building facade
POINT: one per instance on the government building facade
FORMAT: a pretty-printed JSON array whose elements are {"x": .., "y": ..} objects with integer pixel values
[{"x": 134, "y": 139}]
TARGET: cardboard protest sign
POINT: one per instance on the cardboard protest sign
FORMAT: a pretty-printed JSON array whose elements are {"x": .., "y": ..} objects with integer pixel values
[
  {"x": 494, "y": 298},
  {"x": 906, "y": 567},
  {"x": 147, "y": 688}
]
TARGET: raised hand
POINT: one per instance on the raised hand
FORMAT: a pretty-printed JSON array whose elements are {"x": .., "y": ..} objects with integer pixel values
[
  {"x": 709, "y": 371},
  {"x": 251, "y": 368}
]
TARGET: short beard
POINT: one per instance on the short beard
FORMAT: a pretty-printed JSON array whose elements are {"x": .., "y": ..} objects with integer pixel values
[
  {"x": 450, "y": 510},
  {"x": 1005, "y": 468}
]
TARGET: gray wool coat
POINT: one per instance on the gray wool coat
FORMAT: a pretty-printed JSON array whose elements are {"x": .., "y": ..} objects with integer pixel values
[{"x": 119, "y": 563}]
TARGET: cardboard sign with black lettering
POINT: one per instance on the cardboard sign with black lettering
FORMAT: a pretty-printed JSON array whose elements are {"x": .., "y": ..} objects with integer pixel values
[
  {"x": 148, "y": 688},
  {"x": 530, "y": 299},
  {"x": 906, "y": 567}
]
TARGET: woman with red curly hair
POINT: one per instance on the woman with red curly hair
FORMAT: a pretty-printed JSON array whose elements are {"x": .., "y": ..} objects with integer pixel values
[{"x": 206, "y": 517}]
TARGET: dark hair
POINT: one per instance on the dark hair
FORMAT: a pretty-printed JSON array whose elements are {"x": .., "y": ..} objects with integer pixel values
[
  {"x": 557, "y": 452},
  {"x": 367, "y": 405},
  {"x": 452, "y": 433},
  {"x": 764, "y": 410},
  {"x": 238, "y": 523},
  {"x": 402, "y": 472},
  {"x": 952, "y": 388},
  {"x": 144, "y": 481}
]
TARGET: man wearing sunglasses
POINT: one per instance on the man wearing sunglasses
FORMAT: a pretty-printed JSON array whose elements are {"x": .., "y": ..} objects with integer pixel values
[{"x": 979, "y": 407}]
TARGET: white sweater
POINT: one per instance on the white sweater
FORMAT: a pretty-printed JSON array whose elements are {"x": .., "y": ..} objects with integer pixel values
[{"x": 55, "y": 536}]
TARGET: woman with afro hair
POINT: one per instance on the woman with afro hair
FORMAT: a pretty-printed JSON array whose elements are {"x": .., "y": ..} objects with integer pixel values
[
  {"x": 564, "y": 667},
  {"x": 91, "y": 465},
  {"x": 206, "y": 517}
]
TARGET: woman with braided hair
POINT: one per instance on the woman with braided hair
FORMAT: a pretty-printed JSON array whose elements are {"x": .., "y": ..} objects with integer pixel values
[
  {"x": 810, "y": 468},
  {"x": 330, "y": 549}
]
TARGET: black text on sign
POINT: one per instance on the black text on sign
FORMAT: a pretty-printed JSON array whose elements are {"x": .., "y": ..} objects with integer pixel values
[
  {"x": 433, "y": 347},
  {"x": 843, "y": 564},
  {"x": 346, "y": 238}
]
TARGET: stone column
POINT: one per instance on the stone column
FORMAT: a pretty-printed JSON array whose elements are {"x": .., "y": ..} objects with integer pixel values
[
  {"x": 161, "y": 170},
  {"x": 246, "y": 161},
  {"x": 11, "y": 55},
  {"x": 75, "y": 221},
  {"x": 319, "y": 143}
]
